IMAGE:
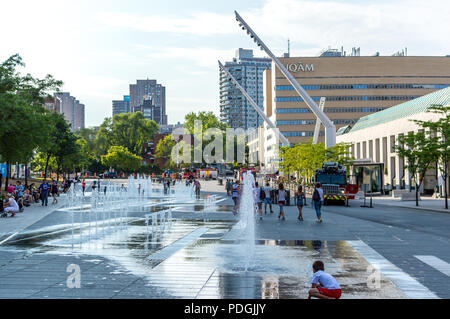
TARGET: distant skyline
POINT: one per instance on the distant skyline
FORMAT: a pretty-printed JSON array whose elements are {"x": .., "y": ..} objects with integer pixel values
[{"x": 99, "y": 47}]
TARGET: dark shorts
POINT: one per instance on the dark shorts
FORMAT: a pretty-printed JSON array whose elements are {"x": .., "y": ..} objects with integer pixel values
[{"x": 333, "y": 293}]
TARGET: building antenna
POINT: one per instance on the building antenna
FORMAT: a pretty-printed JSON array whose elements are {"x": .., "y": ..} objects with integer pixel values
[{"x": 289, "y": 47}]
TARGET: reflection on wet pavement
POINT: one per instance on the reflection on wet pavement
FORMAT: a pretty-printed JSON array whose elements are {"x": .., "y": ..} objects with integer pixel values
[{"x": 190, "y": 260}]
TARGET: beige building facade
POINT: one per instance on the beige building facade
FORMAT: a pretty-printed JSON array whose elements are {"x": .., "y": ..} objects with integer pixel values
[
  {"x": 354, "y": 86},
  {"x": 373, "y": 139}
]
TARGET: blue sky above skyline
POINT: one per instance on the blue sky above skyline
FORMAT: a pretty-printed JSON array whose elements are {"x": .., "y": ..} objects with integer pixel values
[{"x": 99, "y": 47}]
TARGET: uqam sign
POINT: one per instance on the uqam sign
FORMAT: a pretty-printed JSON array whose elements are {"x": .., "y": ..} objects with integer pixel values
[{"x": 297, "y": 67}]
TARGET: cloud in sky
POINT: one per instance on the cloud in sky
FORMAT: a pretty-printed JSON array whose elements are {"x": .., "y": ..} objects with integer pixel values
[
  {"x": 201, "y": 24},
  {"x": 98, "y": 48}
]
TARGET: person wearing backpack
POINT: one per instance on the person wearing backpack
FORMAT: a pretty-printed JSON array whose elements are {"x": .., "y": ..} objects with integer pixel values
[
  {"x": 259, "y": 198},
  {"x": 318, "y": 200}
]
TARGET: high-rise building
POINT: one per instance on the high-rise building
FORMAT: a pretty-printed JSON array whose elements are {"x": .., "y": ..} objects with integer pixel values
[
  {"x": 248, "y": 70},
  {"x": 78, "y": 118},
  {"x": 71, "y": 108},
  {"x": 123, "y": 106},
  {"x": 145, "y": 90}
]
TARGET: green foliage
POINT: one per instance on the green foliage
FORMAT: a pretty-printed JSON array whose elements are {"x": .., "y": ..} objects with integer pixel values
[
  {"x": 24, "y": 121},
  {"x": 130, "y": 130},
  {"x": 208, "y": 119},
  {"x": 121, "y": 159},
  {"x": 420, "y": 150},
  {"x": 304, "y": 159}
]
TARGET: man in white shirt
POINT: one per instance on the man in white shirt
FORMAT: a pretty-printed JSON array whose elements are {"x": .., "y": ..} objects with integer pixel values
[
  {"x": 267, "y": 200},
  {"x": 11, "y": 205}
]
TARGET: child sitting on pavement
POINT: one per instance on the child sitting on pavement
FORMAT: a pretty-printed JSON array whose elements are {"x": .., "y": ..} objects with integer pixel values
[{"x": 324, "y": 286}]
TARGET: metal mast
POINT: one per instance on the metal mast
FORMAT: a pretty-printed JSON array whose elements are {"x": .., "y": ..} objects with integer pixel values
[
  {"x": 283, "y": 139},
  {"x": 318, "y": 122},
  {"x": 330, "y": 128}
]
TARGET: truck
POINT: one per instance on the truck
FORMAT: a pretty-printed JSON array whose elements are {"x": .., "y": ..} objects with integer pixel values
[{"x": 333, "y": 178}]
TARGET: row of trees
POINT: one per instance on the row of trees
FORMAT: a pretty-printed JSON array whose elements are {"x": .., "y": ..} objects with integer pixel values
[
  {"x": 208, "y": 121},
  {"x": 428, "y": 147},
  {"x": 118, "y": 143},
  {"x": 32, "y": 134},
  {"x": 304, "y": 159}
]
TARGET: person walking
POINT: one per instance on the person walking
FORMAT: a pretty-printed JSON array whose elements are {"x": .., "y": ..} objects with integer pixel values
[
  {"x": 268, "y": 198},
  {"x": 281, "y": 201},
  {"x": 83, "y": 185},
  {"x": 228, "y": 187},
  {"x": 44, "y": 188},
  {"x": 198, "y": 187},
  {"x": 318, "y": 201},
  {"x": 54, "y": 191},
  {"x": 259, "y": 197},
  {"x": 94, "y": 186},
  {"x": 235, "y": 194},
  {"x": 300, "y": 202}
]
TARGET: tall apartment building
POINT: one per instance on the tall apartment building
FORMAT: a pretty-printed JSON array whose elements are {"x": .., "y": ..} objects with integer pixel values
[
  {"x": 121, "y": 106},
  {"x": 71, "y": 108},
  {"x": 145, "y": 90},
  {"x": 248, "y": 71},
  {"x": 78, "y": 118}
]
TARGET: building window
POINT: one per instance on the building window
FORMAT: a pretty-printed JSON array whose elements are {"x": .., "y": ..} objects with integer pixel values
[{"x": 363, "y": 86}]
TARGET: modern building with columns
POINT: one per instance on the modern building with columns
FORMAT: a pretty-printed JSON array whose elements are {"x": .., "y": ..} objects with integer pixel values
[{"x": 374, "y": 136}]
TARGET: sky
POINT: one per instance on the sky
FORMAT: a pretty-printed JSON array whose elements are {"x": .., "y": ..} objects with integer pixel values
[{"x": 98, "y": 47}]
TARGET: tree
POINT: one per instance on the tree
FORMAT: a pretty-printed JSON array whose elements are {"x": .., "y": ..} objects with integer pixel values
[
  {"x": 120, "y": 158},
  {"x": 305, "y": 158},
  {"x": 130, "y": 130},
  {"x": 420, "y": 151},
  {"x": 21, "y": 104},
  {"x": 442, "y": 128},
  {"x": 208, "y": 121}
]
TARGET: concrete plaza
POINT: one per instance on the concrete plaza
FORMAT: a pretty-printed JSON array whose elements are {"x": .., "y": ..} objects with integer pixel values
[{"x": 201, "y": 258}]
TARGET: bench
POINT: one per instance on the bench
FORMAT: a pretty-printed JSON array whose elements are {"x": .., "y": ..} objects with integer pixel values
[{"x": 410, "y": 196}]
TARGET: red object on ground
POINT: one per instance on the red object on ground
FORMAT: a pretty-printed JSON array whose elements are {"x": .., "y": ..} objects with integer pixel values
[
  {"x": 333, "y": 293},
  {"x": 351, "y": 190}
]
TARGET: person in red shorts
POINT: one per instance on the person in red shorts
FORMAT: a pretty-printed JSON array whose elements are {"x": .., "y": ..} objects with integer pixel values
[{"x": 324, "y": 286}]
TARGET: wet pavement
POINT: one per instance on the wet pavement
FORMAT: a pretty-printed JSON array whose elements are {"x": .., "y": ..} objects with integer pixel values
[
  {"x": 187, "y": 259},
  {"x": 201, "y": 254}
]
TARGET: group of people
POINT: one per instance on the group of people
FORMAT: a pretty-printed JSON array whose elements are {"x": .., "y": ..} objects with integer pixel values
[
  {"x": 19, "y": 196},
  {"x": 269, "y": 196}
]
